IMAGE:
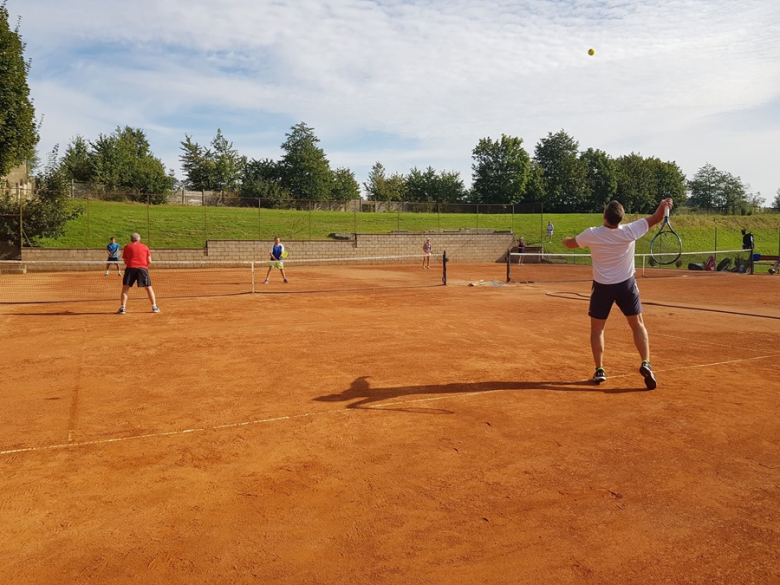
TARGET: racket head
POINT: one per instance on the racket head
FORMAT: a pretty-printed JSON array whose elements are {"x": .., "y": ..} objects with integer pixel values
[
  {"x": 666, "y": 247},
  {"x": 285, "y": 254}
]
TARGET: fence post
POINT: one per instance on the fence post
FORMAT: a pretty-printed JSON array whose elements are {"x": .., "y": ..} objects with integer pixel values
[
  {"x": 148, "y": 219},
  {"x": 513, "y": 218},
  {"x": 716, "y": 244},
  {"x": 259, "y": 222},
  {"x": 309, "y": 219},
  {"x": 477, "y": 215},
  {"x": 438, "y": 216},
  {"x": 205, "y": 215},
  {"x": 88, "y": 221},
  {"x": 21, "y": 221}
]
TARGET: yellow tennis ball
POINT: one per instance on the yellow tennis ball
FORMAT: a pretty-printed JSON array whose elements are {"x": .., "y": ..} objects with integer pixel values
[{"x": 591, "y": 52}]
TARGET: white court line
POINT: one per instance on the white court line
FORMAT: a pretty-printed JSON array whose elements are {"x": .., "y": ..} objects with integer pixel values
[{"x": 323, "y": 412}]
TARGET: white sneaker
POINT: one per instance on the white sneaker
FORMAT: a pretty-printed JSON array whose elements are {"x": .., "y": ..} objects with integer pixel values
[
  {"x": 155, "y": 309},
  {"x": 119, "y": 273},
  {"x": 106, "y": 274}
]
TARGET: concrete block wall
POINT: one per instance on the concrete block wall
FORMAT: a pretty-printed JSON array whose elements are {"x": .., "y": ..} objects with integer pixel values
[{"x": 460, "y": 247}]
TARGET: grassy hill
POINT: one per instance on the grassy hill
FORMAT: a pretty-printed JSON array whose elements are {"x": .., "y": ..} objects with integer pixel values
[{"x": 176, "y": 226}]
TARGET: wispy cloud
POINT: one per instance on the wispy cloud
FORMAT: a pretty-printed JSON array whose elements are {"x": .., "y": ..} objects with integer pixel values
[{"x": 416, "y": 82}]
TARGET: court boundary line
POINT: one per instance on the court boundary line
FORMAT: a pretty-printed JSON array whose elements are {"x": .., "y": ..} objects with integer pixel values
[{"x": 237, "y": 425}]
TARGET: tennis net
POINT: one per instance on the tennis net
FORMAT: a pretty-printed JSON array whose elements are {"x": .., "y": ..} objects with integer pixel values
[
  {"x": 59, "y": 281},
  {"x": 543, "y": 267}
]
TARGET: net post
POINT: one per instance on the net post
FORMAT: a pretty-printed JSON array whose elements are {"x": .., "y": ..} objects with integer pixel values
[
  {"x": 444, "y": 261},
  {"x": 252, "y": 265},
  {"x": 509, "y": 266}
]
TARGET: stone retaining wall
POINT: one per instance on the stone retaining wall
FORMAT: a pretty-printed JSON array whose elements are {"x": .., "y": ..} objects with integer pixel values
[{"x": 460, "y": 247}]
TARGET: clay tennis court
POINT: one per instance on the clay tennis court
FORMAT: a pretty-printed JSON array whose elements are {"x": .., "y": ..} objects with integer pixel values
[{"x": 425, "y": 434}]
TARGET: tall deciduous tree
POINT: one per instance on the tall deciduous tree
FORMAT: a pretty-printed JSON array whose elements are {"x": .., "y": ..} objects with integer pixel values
[
  {"x": 123, "y": 161},
  {"x": 600, "y": 180},
  {"x": 499, "y": 170},
  {"x": 305, "y": 171},
  {"x": 712, "y": 189},
  {"x": 564, "y": 173},
  {"x": 262, "y": 180},
  {"x": 18, "y": 129}
]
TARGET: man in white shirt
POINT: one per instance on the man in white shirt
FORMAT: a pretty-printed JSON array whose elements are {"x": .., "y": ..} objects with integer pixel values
[{"x": 612, "y": 250}]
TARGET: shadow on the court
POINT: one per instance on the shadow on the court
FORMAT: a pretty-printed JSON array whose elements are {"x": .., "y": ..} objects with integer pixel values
[{"x": 361, "y": 391}]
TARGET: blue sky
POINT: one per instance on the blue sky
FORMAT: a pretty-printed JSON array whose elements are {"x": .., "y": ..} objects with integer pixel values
[{"x": 416, "y": 83}]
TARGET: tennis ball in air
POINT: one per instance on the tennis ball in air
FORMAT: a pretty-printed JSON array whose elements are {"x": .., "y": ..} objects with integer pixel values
[{"x": 591, "y": 52}]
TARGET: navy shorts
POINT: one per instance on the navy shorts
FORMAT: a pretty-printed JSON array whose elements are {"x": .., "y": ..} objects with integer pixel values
[
  {"x": 137, "y": 275},
  {"x": 111, "y": 259},
  {"x": 625, "y": 294}
]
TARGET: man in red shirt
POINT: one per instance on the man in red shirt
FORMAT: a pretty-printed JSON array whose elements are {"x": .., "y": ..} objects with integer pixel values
[{"x": 137, "y": 258}]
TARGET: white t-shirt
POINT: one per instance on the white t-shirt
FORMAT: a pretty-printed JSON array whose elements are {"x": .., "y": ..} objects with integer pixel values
[{"x": 612, "y": 250}]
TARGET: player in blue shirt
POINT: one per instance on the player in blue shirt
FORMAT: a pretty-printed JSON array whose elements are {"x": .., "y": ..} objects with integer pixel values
[
  {"x": 277, "y": 259},
  {"x": 113, "y": 256}
]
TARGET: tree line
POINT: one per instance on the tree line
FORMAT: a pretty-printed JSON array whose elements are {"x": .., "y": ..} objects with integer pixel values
[{"x": 559, "y": 175}]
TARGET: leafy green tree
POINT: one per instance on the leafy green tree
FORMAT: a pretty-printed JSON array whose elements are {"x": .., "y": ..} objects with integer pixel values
[
  {"x": 76, "y": 163},
  {"x": 776, "y": 202},
  {"x": 705, "y": 188},
  {"x": 344, "y": 187},
  {"x": 228, "y": 164},
  {"x": 123, "y": 162},
  {"x": 46, "y": 213},
  {"x": 430, "y": 186},
  {"x": 600, "y": 180},
  {"x": 379, "y": 187},
  {"x": 499, "y": 170},
  {"x": 712, "y": 189},
  {"x": 643, "y": 182},
  {"x": 305, "y": 171},
  {"x": 421, "y": 185},
  {"x": 218, "y": 168},
  {"x": 197, "y": 164},
  {"x": 261, "y": 179},
  {"x": 375, "y": 184},
  {"x": 564, "y": 173},
  {"x": 18, "y": 129}
]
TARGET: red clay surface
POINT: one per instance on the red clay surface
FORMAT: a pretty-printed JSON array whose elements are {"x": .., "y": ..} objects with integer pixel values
[{"x": 423, "y": 435}]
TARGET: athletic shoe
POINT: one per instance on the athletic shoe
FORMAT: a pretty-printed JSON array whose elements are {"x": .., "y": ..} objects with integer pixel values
[
  {"x": 771, "y": 271},
  {"x": 266, "y": 282},
  {"x": 119, "y": 273},
  {"x": 106, "y": 274},
  {"x": 286, "y": 281},
  {"x": 155, "y": 309},
  {"x": 121, "y": 311},
  {"x": 647, "y": 372},
  {"x": 599, "y": 376}
]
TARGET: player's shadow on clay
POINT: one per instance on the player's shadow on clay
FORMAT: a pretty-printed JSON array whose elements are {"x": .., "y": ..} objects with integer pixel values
[{"x": 361, "y": 391}]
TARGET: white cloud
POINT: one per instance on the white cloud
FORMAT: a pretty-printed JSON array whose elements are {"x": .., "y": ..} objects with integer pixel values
[{"x": 431, "y": 75}]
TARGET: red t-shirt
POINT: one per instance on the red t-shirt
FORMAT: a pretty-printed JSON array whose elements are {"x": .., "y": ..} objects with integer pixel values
[{"x": 136, "y": 255}]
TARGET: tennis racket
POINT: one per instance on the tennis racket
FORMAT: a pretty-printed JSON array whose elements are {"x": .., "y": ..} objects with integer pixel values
[
  {"x": 285, "y": 254},
  {"x": 666, "y": 247}
]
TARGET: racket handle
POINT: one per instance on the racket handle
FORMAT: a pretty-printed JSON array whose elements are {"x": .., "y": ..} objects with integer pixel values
[{"x": 666, "y": 211}]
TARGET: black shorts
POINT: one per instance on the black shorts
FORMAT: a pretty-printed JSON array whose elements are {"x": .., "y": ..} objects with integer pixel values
[
  {"x": 137, "y": 275},
  {"x": 112, "y": 259},
  {"x": 625, "y": 294}
]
